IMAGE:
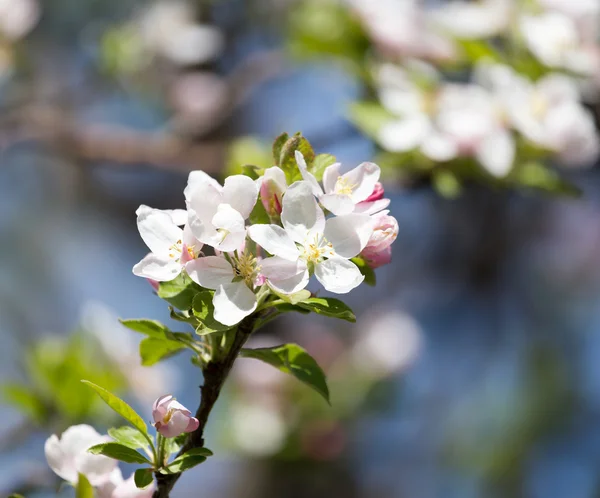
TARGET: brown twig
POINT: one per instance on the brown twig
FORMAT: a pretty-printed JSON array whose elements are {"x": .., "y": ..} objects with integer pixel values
[{"x": 215, "y": 374}]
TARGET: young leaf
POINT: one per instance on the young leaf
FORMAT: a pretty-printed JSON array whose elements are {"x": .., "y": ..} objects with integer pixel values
[
  {"x": 143, "y": 478},
  {"x": 119, "y": 406},
  {"x": 366, "y": 270},
  {"x": 119, "y": 452},
  {"x": 16, "y": 495},
  {"x": 277, "y": 146},
  {"x": 292, "y": 359},
  {"x": 320, "y": 164},
  {"x": 295, "y": 298},
  {"x": 128, "y": 436},
  {"x": 153, "y": 350},
  {"x": 185, "y": 462},
  {"x": 251, "y": 171},
  {"x": 204, "y": 310},
  {"x": 288, "y": 158},
  {"x": 205, "y": 452},
  {"x": 329, "y": 306},
  {"x": 84, "y": 488},
  {"x": 179, "y": 292},
  {"x": 151, "y": 328}
]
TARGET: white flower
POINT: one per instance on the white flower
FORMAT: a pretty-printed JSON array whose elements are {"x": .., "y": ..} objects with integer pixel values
[
  {"x": 116, "y": 487},
  {"x": 308, "y": 242},
  {"x": 341, "y": 193},
  {"x": 233, "y": 281},
  {"x": 217, "y": 214},
  {"x": 170, "y": 245},
  {"x": 68, "y": 456},
  {"x": 556, "y": 40},
  {"x": 272, "y": 185}
]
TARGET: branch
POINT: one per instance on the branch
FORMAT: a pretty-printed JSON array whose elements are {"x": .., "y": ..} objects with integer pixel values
[{"x": 215, "y": 374}]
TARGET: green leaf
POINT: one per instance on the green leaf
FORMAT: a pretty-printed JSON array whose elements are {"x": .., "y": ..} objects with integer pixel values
[
  {"x": 128, "y": 436},
  {"x": 179, "y": 292},
  {"x": 536, "y": 175},
  {"x": 366, "y": 270},
  {"x": 120, "y": 452},
  {"x": 143, "y": 478},
  {"x": 320, "y": 164},
  {"x": 119, "y": 406},
  {"x": 477, "y": 50},
  {"x": 329, "y": 306},
  {"x": 16, "y": 495},
  {"x": 25, "y": 399},
  {"x": 151, "y": 328},
  {"x": 447, "y": 184},
  {"x": 285, "y": 307},
  {"x": 205, "y": 311},
  {"x": 277, "y": 146},
  {"x": 83, "y": 489},
  {"x": 153, "y": 350},
  {"x": 259, "y": 215},
  {"x": 295, "y": 298},
  {"x": 287, "y": 160},
  {"x": 189, "y": 459},
  {"x": 251, "y": 171},
  {"x": 292, "y": 359}
]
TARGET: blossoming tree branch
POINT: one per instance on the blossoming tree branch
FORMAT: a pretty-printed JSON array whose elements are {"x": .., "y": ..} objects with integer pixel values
[{"x": 240, "y": 255}]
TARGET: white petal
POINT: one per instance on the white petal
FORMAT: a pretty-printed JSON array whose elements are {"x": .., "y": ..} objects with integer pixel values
[
  {"x": 274, "y": 240},
  {"x": 337, "y": 204},
  {"x": 241, "y": 193},
  {"x": 210, "y": 272},
  {"x": 61, "y": 463},
  {"x": 439, "y": 147},
  {"x": 128, "y": 489},
  {"x": 233, "y": 302},
  {"x": 200, "y": 177},
  {"x": 179, "y": 216},
  {"x": 233, "y": 241},
  {"x": 276, "y": 174},
  {"x": 301, "y": 214},
  {"x": 228, "y": 219},
  {"x": 158, "y": 268},
  {"x": 338, "y": 275},
  {"x": 405, "y": 134},
  {"x": 158, "y": 230},
  {"x": 371, "y": 207},
  {"x": 306, "y": 176},
  {"x": 97, "y": 468},
  {"x": 349, "y": 234},
  {"x": 496, "y": 153},
  {"x": 285, "y": 276},
  {"x": 202, "y": 202},
  {"x": 330, "y": 176},
  {"x": 190, "y": 241},
  {"x": 362, "y": 179}
]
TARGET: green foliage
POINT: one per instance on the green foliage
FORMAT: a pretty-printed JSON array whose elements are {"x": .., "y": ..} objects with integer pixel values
[
  {"x": 295, "y": 298},
  {"x": 366, "y": 270},
  {"x": 120, "y": 452},
  {"x": 292, "y": 359},
  {"x": 537, "y": 176},
  {"x": 83, "y": 489},
  {"x": 320, "y": 164},
  {"x": 446, "y": 183},
  {"x": 143, "y": 478},
  {"x": 120, "y": 407},
  {"x": 277, "y": 146},
  {"x": 259, "y": 214},
  {"x": 243, "y": 154},
  {"x": 179, "y": 292},
  {"x": 128, "y": 436},
  {"x": 329, "y": 306},
  {"x": 154, "y": 349},
  {"x": 151, "y": 328},
  {"x": 287, "y": 156},
  {"x": 26, "y": 400},
  {"x": 189, "y": 459},
  {"x": 204, "y": 311}
]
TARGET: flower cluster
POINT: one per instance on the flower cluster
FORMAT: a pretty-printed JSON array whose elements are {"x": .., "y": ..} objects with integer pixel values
[
  {"x": 509, "y": 99},
  {"x": 82, "y": 451},
  {"x": 301, "y": 229}
]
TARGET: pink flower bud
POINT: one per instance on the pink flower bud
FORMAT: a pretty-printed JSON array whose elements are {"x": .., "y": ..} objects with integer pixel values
[
  {"x": 153, "y": 283},
  {"x": 376, "y": 194},
  {"x": 172, "y": 418},
  {"x": 378, "y": 251},
  {"x": 272, "y": 187}
]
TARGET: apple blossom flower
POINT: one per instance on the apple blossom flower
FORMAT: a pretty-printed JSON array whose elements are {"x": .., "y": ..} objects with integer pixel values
[
  {"x": 341, "y": 193},
  {"x": 378, "y": 250},
  {"x": 68, "y": 456},
  {"x": 233, "y": 279},
  {"x": 171, "y": 246},
  {"x": 273, "y": 185},
  {"x": 307, "y": 242},
  {"x": 374, "y": 203},
  {"x": 217, "y": 214},
  {"x": 171, "y": 418}
]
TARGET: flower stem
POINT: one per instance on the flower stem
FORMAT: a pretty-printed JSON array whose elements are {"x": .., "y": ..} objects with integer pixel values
[{"x": 215, "y": 373}]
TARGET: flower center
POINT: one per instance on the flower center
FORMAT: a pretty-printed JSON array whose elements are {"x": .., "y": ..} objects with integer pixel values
[
  {"x": 175, "y": 249},
  {"x": 343, "y": 186},
  {"x": 538, "y": 105},
  {"x": 246, "y": 268},
  {"x": 167, "y": 418},
  {"x": 315, "y": 251}
]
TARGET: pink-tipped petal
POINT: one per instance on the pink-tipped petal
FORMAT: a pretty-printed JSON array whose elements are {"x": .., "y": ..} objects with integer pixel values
[{"x": 193, "y": 424}]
